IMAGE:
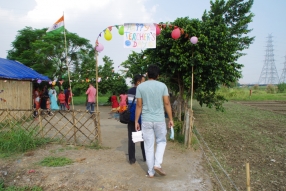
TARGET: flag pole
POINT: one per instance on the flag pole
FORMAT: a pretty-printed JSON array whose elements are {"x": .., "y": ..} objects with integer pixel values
[
  {"x": 66, "y": 50},
  {"x": 73, "y": 115}
]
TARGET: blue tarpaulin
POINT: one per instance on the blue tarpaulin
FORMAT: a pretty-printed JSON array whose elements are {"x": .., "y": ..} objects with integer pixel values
[{"x": 10, "y": 69}]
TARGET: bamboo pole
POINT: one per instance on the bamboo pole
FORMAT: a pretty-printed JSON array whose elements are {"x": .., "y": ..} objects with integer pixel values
[
  {"x": 97, "y": 110},
  {"x": 191, "y": 109},
  {"x": 73, "y": 116},
  {"x": 74, "y": 127},
  {"x": 41, "y": 125},
  {"x": 247, "y": 177}
]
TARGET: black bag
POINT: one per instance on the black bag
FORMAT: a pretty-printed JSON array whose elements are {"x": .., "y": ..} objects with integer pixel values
[{"x": 124, "y": 117}]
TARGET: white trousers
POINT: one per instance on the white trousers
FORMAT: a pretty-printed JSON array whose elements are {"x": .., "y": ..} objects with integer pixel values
[{"x": 152, "y": 131}]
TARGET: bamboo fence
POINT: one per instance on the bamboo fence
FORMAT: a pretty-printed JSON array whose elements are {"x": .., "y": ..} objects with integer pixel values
[{"x": 73, "y": 127}]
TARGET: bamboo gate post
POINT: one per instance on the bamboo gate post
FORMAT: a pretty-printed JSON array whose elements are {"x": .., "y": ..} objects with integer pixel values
[
  {"x": 40, "y": 120},
  {"x": 247, "y": 177},
  {"x": 73, "y": 115},
  {"x": 97, "y": 110},
  {"x": 191, "y": 109}
]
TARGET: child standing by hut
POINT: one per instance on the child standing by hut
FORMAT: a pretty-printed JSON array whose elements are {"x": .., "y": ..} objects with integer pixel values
[{"x": 62, "y": 100}]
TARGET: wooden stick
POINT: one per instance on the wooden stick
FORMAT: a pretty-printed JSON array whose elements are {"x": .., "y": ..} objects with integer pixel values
[
  {"x": 247, "y": 177},
  {"x": 40, "y": 120}
]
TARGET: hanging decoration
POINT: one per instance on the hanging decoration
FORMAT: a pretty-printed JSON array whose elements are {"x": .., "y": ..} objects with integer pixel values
[
  {"x": 50, "y": 82},
  {"x": 99, "y": 47},
  {"x": 87, "y": 80},
  {"x": 54, "y": 83},
  {"x": 39, "y": 81},
  {"x": 121, "y": 30},
  {"x": 61, "y": 82},
  {"x": 158, "y": 30},
  {"x": 99, "y": 79},
  {"x": 153, "y": 31},
  {"x": 107, "y": 35},
  {"x": 176, "y": 33},
  {"x": 194, "y": 40}
]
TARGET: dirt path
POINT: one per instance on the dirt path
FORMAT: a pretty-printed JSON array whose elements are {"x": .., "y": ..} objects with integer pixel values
[{"x": 107, "y": 169}]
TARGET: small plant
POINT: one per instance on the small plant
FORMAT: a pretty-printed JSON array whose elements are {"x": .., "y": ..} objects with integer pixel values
[
  {"x": 55, "y": 161},
  {"x": 97, "y": 146}
]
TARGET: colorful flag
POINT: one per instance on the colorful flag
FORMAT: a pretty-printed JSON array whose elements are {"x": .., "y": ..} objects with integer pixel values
[{"x": 58, "y": 26}]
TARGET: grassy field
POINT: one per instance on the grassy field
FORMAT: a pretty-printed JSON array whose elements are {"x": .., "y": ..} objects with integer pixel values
[
  {"x": 243, "y": 94},
  {"x": 245, "y": 134},
  {"x": 81, "y": 100}
]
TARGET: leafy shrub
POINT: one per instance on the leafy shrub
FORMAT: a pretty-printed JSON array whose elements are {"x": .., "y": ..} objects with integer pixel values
[
  {"x": 270, "y": 89},
  {"x": 281, "y": 88}
]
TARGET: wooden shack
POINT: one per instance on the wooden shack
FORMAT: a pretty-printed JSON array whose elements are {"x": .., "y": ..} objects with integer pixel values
[{"x": 16, "y": 85}]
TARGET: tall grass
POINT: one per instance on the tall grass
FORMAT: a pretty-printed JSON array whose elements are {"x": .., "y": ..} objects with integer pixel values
[
  {"x": 257, "y": 93},
  {"x": 19, "y": 140}
]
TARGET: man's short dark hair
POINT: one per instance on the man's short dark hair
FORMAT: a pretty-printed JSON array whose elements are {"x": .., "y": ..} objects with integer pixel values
[
  {"x": 137, "y": 78},
  {"x": 153, "y": 71}
]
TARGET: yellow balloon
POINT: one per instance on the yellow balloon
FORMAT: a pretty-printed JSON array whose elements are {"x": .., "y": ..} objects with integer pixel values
[
  {"x": 107, "y": 35},
  {"x": 54, "y": 83}
]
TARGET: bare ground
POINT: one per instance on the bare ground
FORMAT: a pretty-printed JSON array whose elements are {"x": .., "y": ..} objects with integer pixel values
[{"x": 106, "y": 169}]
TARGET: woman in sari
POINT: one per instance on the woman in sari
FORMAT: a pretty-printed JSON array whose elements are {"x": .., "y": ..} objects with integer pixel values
[{"x": 53, "y": 99}]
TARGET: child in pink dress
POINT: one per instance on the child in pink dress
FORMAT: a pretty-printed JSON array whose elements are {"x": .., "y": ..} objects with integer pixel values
[{"x": 123, "y": 102}]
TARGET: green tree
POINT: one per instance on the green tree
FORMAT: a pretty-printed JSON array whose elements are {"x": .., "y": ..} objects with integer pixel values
[
  {"x": 110, "y": 80},
  {"x": 46, "y": 53},
  {"x": 222, "y": 35},
  {"x": 136, "y": 64}
]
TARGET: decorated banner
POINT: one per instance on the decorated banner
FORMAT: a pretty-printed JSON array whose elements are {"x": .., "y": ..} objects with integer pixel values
[{"x": 139, "y": 35}]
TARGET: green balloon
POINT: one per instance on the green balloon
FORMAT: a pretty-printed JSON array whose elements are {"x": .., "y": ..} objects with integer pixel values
[{"x": 121, "y": 30}]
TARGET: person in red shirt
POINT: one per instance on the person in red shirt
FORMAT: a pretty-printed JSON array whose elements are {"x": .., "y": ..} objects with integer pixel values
[
  {"x": 62, "y": 100},
  {"x": 114, "y": 102}
]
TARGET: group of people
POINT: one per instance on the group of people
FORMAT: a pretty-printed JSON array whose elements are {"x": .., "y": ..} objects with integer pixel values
[
  {"x": 122, "y": 105},
  {"x": 47, "y": 99},
  {"x": 147, "y": 101}
]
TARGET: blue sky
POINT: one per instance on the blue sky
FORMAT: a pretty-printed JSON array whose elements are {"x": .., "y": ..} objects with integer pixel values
[{"x": 88, "y": 18}]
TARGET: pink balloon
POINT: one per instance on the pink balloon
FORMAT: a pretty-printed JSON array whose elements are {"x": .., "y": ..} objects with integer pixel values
[
  {"x": 99, "y": 47},
  {"x": 158, "y": 30},
  {"x": 176, "y": 33},
  {"x": 194, "y": 40}
]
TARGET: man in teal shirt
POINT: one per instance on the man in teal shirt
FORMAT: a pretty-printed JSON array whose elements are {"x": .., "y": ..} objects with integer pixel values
[{"x": 152, "y": 96}]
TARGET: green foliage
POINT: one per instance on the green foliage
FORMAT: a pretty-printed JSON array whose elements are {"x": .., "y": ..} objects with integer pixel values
[
  {"x": 111, "y": 81},
  {"x": 222, "y": 35},
  {"x": 281, "y": 88},
  {"x": 136, "y": 64},
  {"x": 55, "y": 161},
  {"x": 39, "y": 51},
  {"x": 19, "y": 140}
]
